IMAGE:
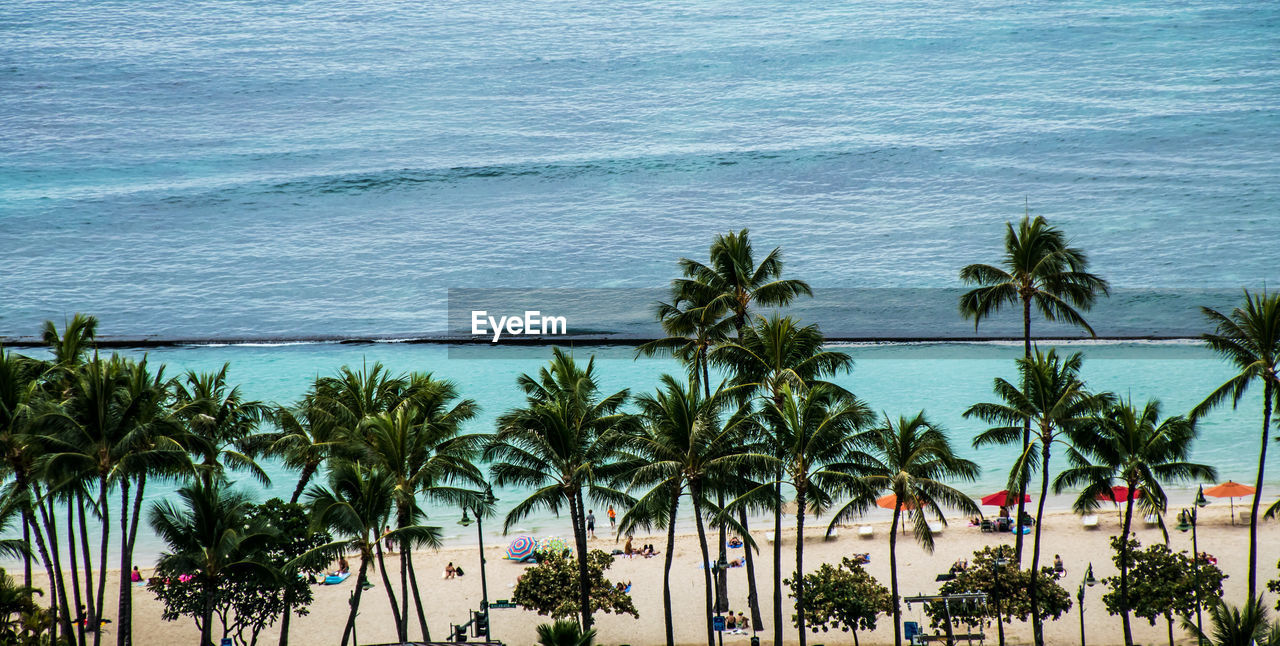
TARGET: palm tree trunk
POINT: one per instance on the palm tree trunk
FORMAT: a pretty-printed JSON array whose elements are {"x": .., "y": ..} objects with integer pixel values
[
  {"x": 417, "y": 599},
  {"x": 706, "y": 561},
  {"x": 124, "y": 623},
  {"x": 206, "y": 619},
  {"x": 57, "y": 587},
  {"x": 284, "y": 625},
  {"x": 402, "y": 521},
  {"x": 1037, "y": 624},
  {"x": 1026, "y": 436},
  {"x": 26, "y": 539},
  {"x": 799, "y": 575},
  {"x": 355, "y": 600},
  {"x": 580, "y": 541},
  {"x": 401, "y": 631},
  {"x": 777, "y": 565},
  {"x": 307, "y": 471},
  {"x": 1124, "y": 569},
  {"x": 75, "y": 570},
  {"x": 893, "y": 573},
  {"x": 1267, "y": 393},
  {"x": 131, "y": 539},
  {"x": 666, "y": 569},
  {"x": 51, "y": 528},
  {"x": 105, "y": 514},
  {"x": 753, "y": 597}
]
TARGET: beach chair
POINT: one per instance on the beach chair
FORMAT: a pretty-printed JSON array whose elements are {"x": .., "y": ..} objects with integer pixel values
[
  {"x": 1090, "y": 521},
  {"x": 936, "y": 528},
  {"x": 988, "y": 526},
  {"x": 770, "y": 537},
  {"x": 867, "y": 531}
]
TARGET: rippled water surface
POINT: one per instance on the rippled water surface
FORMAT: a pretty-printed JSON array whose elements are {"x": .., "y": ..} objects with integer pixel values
[{"x": 195, "y": 168}]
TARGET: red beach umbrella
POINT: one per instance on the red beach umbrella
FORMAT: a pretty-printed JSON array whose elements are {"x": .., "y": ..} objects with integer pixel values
[
  {"x": 1232, "y": 490},
  {"x": 1003, "y": 499},
  {"x": 1120, "y": 493}
]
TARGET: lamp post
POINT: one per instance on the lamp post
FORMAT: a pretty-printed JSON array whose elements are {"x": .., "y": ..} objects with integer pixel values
[
  {"x": 481, "y": 508},
  {"x": 1089, "y": 581},
  {"x": 1187, "y": 521},
  {"x": 997, "y": 587}
]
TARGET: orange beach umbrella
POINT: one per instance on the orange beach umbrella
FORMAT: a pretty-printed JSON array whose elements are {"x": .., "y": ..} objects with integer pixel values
[
  {"x": 890, "y": 501},
  {"x": 1232, "y": 490}
]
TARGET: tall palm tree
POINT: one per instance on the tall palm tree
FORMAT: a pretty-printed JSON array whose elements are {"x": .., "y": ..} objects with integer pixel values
[
  {"x": 207, "y": 536},
  {"x": 692, "y": 330},
  {"x": 221, "y": 425},
  {"x": 1040, "y": 268},
  {"x": 912, "y": 460},
  {"x": 815, "y": 431},
  {"x": 20, "y": 380},
  {"x": 769, "y": 354},
  {"x": 730, "y": 284},
  {"x": 353, "y": 508},
  {"x": 562, "y": 442},
  {"x": 423, "y": 451},
  {"x": 1133, "y": 448},
  {"x": 684, "y": 447},
  {"x": 1054, "y": 403},
  {"x": 1249, "y": 338},
  {"x": 102, "y": 437},
  {"x": 1245, "y": 625}
]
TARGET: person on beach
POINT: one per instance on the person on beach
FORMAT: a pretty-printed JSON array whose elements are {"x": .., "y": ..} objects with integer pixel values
[
  {"x": 627, "y": 549},
  {"x": 613, "y": 518},
  {"x": 135, "y": 576},
  {"x": 1058, "y": 568},
  {"x": 450, "y": 571},
  {"x": 386, "y": 529},
  {"x": 744, "y": 624},
  {"x": 591, "y": 523},
  {"x": 731, "y": 622},
  {"x": 343, "y": 567}
]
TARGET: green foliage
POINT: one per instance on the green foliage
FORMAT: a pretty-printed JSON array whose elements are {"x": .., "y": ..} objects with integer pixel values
[
  {"x": 844, "y": 596},
  {"x": 1246, "y": 625},
  {"x": 22, "y": 621},
  {"x": 1007, "y": 588},
  {"x": 1162, "y": 583},
  {"x": 551, "y": 587},
  {"x": 248, "y": 599},
  {"x": 1274, "y": 585},
  {"x": 565, "y": 632}
]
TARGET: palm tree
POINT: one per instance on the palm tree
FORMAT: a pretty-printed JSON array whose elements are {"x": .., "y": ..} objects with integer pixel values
[
  {"x": 20, "y": 381},
  {"x": 684, "y": 447},
  {"x": 422, "y": 450},
  {"x": 729, "y": 285},
  {"x": 563, "y": 441},
  {"x": 815, "y": 431},
  {"x": 220, "y": 425},
  {"x": 1133, "y": 448},
  {"x": 1246, "y": 625},
  {"x": 1052, "y": 402},
  {"x": 692, "y": 330},
  {"x": 565, "y": 632},
  {"x": 305, "y": 440},
  {"x": 209, "y": 537},
  {"x": 769, "y": 354},
  {"x": 104, "y": 435},
  {"x": 910, "y": 459},
  {"x": 1249, "y": 338},
  {"x": 1039, "y": 268},
  {"x": 353, "y": 508}
]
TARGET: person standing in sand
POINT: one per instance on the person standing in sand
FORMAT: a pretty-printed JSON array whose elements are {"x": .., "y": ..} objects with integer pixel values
[
  {"x": 613, "y": 519},
  {"x": 591, "y": 523}
]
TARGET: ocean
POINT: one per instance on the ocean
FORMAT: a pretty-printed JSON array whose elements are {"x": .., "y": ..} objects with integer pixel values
[{"x": 307, "y": 169}]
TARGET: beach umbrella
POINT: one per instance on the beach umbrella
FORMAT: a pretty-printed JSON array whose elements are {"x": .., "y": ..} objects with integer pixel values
[
  {"x": 890, "y": 501},
  {"x": 522, "y": 548},
  {"x": 1232, "y": 490},
  {"x": 554, "y": 544},
  {"x": 1119, "y": 494},
  {"x": 1003, "y": 498}
]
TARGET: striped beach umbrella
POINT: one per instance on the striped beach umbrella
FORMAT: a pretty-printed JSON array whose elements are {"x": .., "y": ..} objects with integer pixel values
[{"x": 522, "y": 548}]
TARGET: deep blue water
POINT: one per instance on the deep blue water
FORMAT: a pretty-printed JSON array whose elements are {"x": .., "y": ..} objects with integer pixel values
[{"x": 280, "y": 169}]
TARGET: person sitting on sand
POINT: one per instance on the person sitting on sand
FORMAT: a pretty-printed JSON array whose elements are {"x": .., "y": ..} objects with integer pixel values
[
  {"x": 627, "y": 549},
  {"x": 135, "y": 576},
  {"x": 731, "y": 622},
  {"x": 450, "y": 571},
  {"x": 343, "y": 567},
  {"x": 1058, "y": 568},
  {"x": 743, "y": 623}
]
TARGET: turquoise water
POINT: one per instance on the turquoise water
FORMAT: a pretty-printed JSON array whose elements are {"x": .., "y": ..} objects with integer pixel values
[
  {"x": 942, "y": 379},
  {"x": 230, "y": 168}
]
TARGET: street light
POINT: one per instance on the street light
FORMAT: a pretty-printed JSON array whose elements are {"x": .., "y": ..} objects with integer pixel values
[
  {"x": 1089, "y": 581},
  {"x": 1187, "y": 521},
  {"x": 482, "y": 506}
]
